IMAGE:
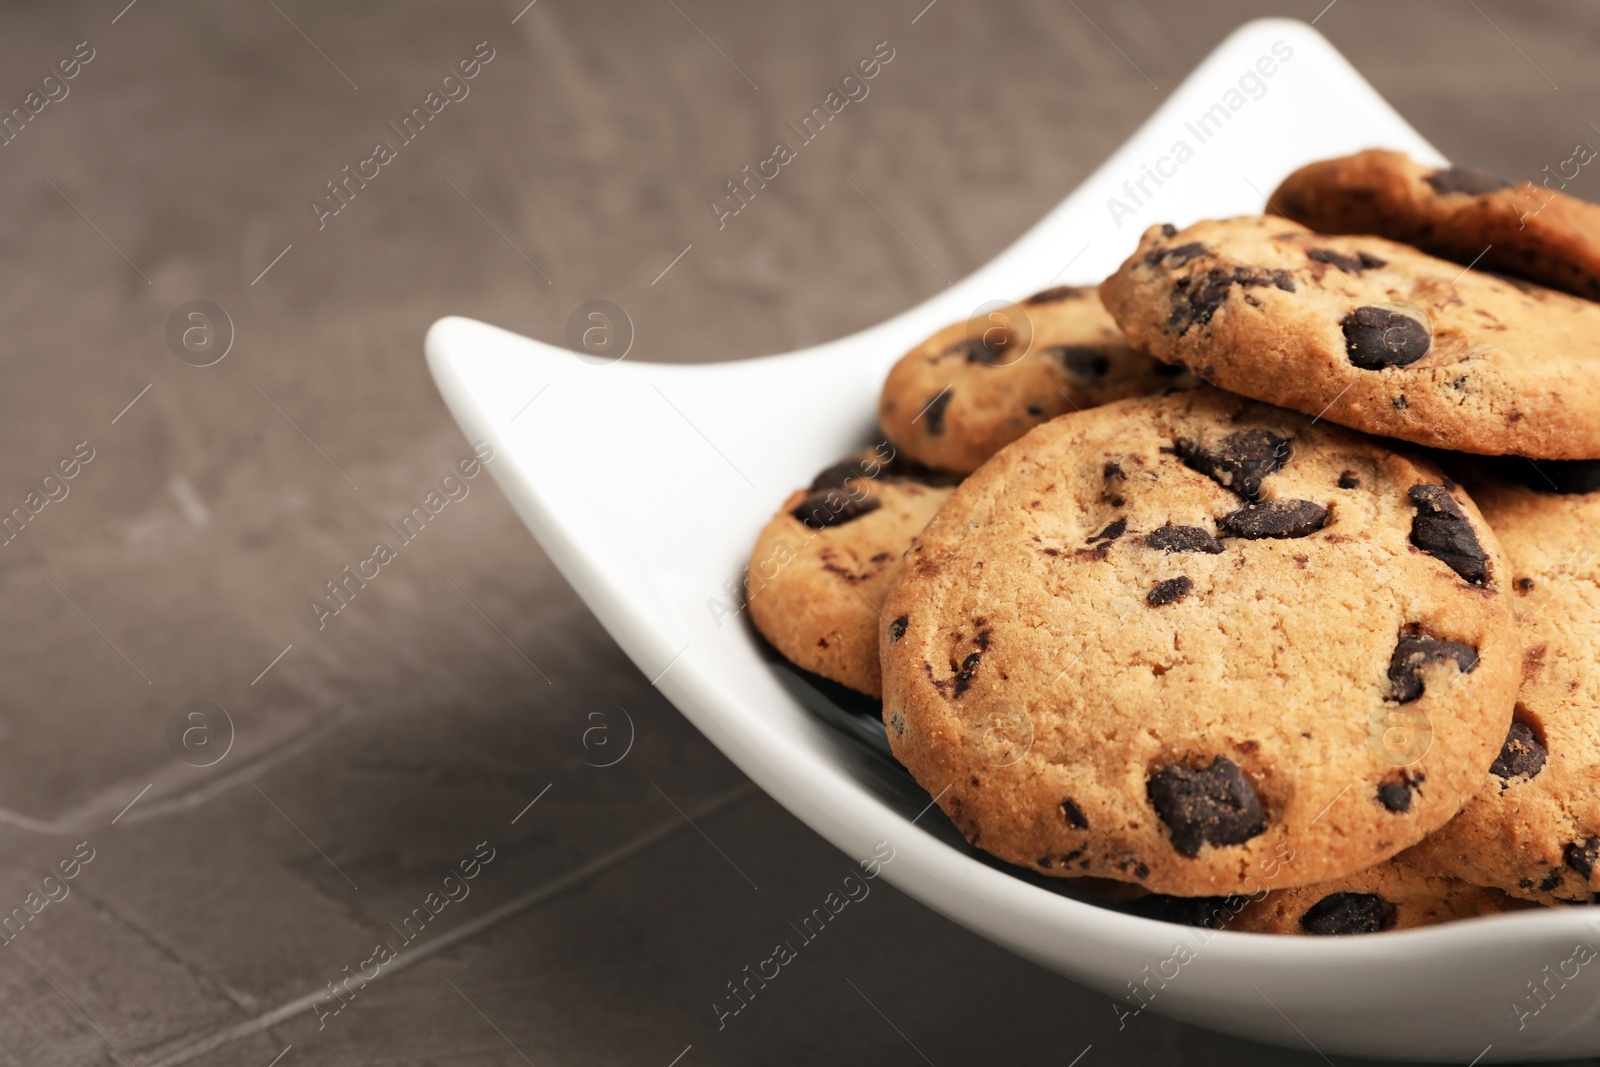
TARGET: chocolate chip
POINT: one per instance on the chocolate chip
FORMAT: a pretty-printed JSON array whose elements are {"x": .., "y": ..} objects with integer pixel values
[
  {"x": 1349, "y": 480},
  {"x": 1349, "y": 264},
  {"x": 1196, "y": 297},
  {"x": 1206, "y": 805},
  {"x": 1396, "y": 794},
  {"x": 1057, "y": 293},
  {"x": 1377, "y": 337},
  {"x": 1346, "y": 913},
  {"x": 969, "y": 666},
  {"x": 1171, "y": 538},
  {"x": 1521, "y": 756},
  {"x": 1098, "y": 552},
  {"x": 1177, "y": 256},
  {"x": 1525, "y": 585},
  {"x": 1465, "y": 180},
  {"x": 1413, "y": 652},
  {"x": 935, "y": 411},
  {"x": 894, "y": 469},
  {"x": 990, "y": 351},
  {"x": 1074, "y": 814},
  {"x": 830, "y": 507},
  {"x": 1112, "y": 469},
  {"x": 1081, "y": 361},
  {"x": 1443, "y": 530},
  {"x": 841, "y": 474},
  {"x": 1111, "y": 532},
  {"x": 1551, "y": 880},
  {"x": 1170, "y": 591},
  {"x": 897, "y": 629},
  {"x": 1275, "y": 518},
  {"x": 1581, "y": 856},
  {"x": 1168, "y": 230},
  {"x": 1240, "y": 461}
]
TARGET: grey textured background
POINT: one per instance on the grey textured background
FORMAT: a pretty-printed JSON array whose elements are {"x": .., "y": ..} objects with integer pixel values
[{"x": 379, "y": 751}]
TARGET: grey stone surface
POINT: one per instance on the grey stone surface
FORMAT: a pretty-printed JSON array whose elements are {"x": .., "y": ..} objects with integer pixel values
[{"x": 383, "y": 748}]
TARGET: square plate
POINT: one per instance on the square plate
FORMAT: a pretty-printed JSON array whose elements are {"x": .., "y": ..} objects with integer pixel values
[{"x": 647, "y": 483}]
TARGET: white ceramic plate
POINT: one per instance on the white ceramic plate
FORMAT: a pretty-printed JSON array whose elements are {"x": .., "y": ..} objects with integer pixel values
[{"x": 647, "y": 483}]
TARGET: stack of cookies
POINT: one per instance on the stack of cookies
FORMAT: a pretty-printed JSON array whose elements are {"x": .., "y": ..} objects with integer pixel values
[{"x": 1264, "y": 580}]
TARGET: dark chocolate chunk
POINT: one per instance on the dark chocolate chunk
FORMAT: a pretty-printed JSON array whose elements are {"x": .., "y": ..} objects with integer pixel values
[
  {"x": 1581, "y": 855},
  {"x": 1443, "y": 530},
  {"x": 831, "y": 507},
  {"x": 1551, "y": 880},
  {"x": 1057, "y": 293},
  {"x": 841, "y": 474},
  {"x": 1111, "y": 532},
  {"x": 934, "y": 412},
  {"x": 1196, "y": 297},
  {"x": 1376, "y": 337},
  {"x": 1412, "y": 652},
  {"x": 1274, "y": 518},
  {"x": 1206, "y": 805},
  {"x": 1240, "y": 461},
  {"x": 988, "y": 349},
  {"x": 1074, "y": 814},
  {"x": 1082, "y": 361},
  {"x": 1171, "y": 538},
  {"x": 1521, "y": 756},
  {"x": 1176, "y": 256},
  {"x": 1349, "y": 480},
  {"x": 1346, "y": 913},
  {"x": 1395, "y": 795},
  {"x": 1112, "y": 469},
  {"x": 1170, "y": 591},
  {"x": 897, "y": 629},
  {"x": 969, "y": 666},
  {"x": 1465, "y": 180},
  {"x": 894, "y": 469},
  {"x": 1349, "y": 264}
]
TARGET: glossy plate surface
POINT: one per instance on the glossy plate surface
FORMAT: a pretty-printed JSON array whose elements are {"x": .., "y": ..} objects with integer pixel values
[{"x": 695, "y": 459}]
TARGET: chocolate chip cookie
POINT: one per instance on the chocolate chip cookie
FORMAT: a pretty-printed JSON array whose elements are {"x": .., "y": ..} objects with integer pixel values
[
  {"x": 1368, "y": 333},
  {"x": 1192, "y": 642},
  {"x": 1390, "y": 896},
  {"x": 1533, "y": 829},
  {"x": 1531, "y": 231},
  {"x": 976, "y": 386},
  {"x": 822, "y": 566}
]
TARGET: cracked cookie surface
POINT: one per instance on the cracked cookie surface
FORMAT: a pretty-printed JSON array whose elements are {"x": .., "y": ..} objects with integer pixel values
[
  {"x": 974, "y": 387},
  {"x": 1368, "y": 333},
  {"x": 1389, "y": 896},
  {"x": 1533, "y": 825},
  {"x": 823, "y": 564},
  {"x": 1457, "y": 213},
  {"x": 1099, "y": 670}
]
